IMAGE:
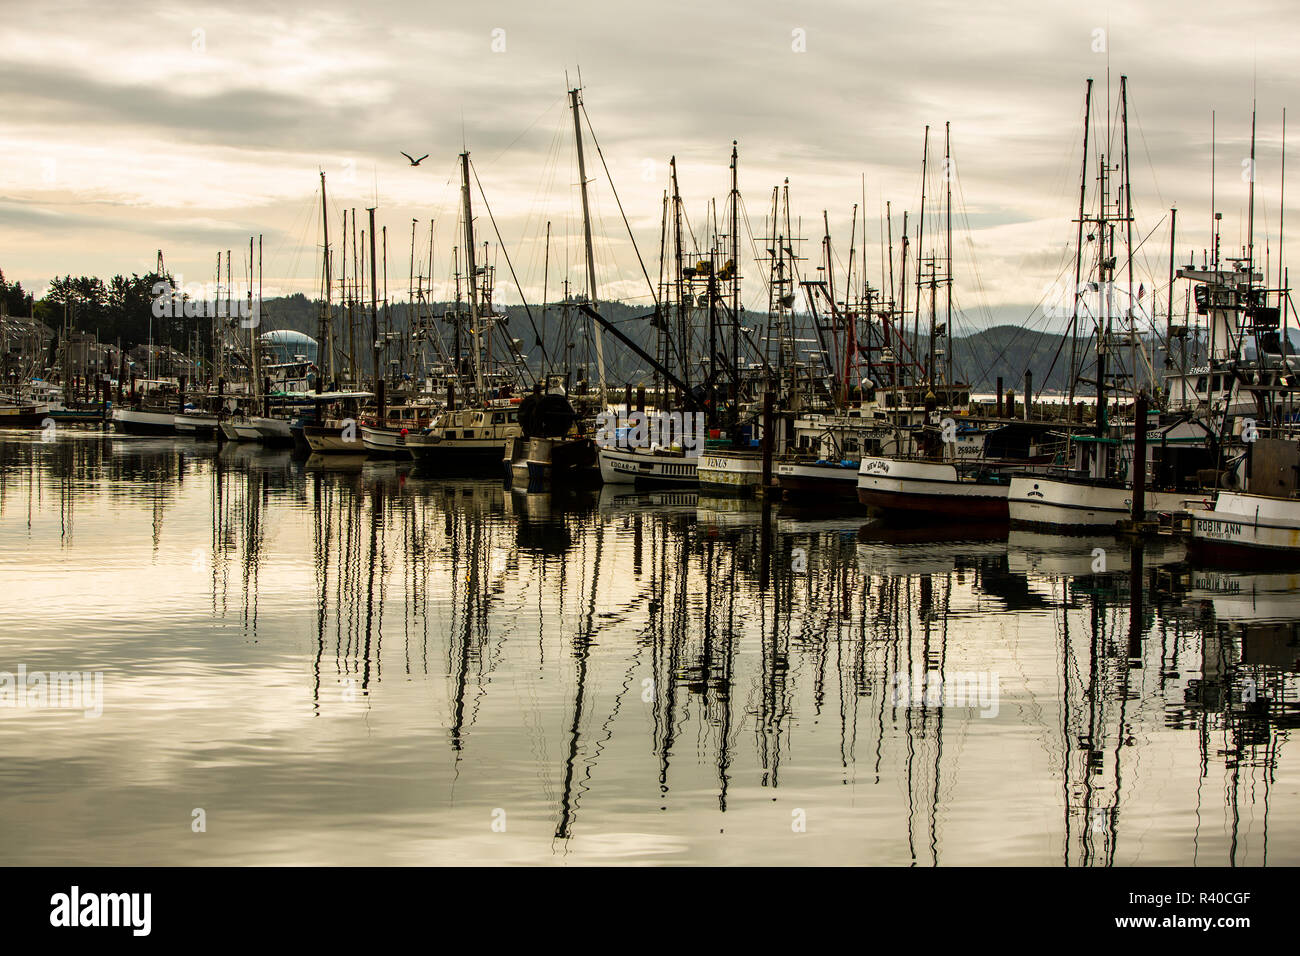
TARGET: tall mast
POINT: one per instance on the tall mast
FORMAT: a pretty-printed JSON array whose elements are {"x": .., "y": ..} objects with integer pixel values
[
  {"x": 257, "y": 350},
  {"x": 920, "y": 246},
  {"x": 586, "y": 233},
  {"x": 546, "y": 275},
  {"x": 1128, "y": 228},
  {"x": 1281, "y": 218},
  {"x": 256, "y": 385},
  {"x": 1169, "y": 314},
  {"x": 735, "y": 289},
  {"x": 230, "y": 278},
  {"x": 374, "y": 305},
  {"x": 902, "y": 287},
  {"x": 890, "y": 313},
  {"x": 410, "y": 302},
  {"x": 351, "y": 293},
  {"x": 682, "y": 355},
  {"x": 1078, "y": 246},
  {"x": 1250, "y": 216},
  {"x": 947, "y": 177},
  {"x": 388, "y": 316},
  {"x": 470, "y": 270},
  {"x": 327, "y": 317}
]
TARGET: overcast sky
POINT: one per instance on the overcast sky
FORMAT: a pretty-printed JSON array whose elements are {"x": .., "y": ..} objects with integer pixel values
[{"x": 186, "y": 128}]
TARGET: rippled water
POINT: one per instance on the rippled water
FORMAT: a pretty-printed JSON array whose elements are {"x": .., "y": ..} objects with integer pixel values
[{"x": 357, "y": 663}]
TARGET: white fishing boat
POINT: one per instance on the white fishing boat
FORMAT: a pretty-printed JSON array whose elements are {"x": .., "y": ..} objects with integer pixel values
[
  {"x": 337, "y": 436},
  {"x": 731, "y": 472},
  {"x": 467, "y": 437},
  {"x": 272, "y": 431},
  {"x": 648, "y": 466},
  {"x": 933, "y": 490},
  {"x": 196, "y": 423},
  {"x": 1242, "y": 527},
  {"x": 1074, "y": 506},
  {"x": 144, "y": 421},
  {"x": 1258, "y": 521},
  {"x": 241, "y": 429}
]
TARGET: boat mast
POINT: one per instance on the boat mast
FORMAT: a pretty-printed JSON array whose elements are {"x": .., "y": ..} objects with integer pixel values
[
  {"x": 1128, "y": 228},
  {"x": 411, "y": 296},
  {"x": 327, "y": 316},
  {"x": 586, "y": 233},
  {"x": 470, "y": 272},
  {"x": 1078, "y": 246},
  {"x": 374, "y": 306},
  {"x": 735, "y": 293},
  {"x": 920, "y": 251},
  {"x": 891, "y": 314},
  {"x": 684, "y": 365},
  {"x": 546, "y": 274},
  {"x": 1250, "y": 215},
  {"x": 947, "y": 328}
]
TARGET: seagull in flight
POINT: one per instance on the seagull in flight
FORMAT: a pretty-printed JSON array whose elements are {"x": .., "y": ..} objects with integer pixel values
[{"x": 414, "y": 161}]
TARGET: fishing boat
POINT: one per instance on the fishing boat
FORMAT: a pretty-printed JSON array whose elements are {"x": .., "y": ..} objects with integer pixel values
[
  {"x": 275, "y": 432},
  {"x": 821, "y": 483},
  {"x": 1106, "y": 480},
  {"x": 336, "y": 436},
  {"x": 23, "y": 415},
  {"x": 1242, "y": 527},
  {"x": 333, "y": 428},
  {"x": 551, "y": 448},
  {"x": 241, "y": 428},
  {"x": 196, "y": 423},
  {"x": 932, "y": 490},
  {"x": 947, "y": 484},
  {"x": 144, "y": 420},
  {"x": 1260, "y": 521},
  {"x": 647, "y": 467},
  {"x": 730, "y": 472},
  {"x": 466, "y": 438}
]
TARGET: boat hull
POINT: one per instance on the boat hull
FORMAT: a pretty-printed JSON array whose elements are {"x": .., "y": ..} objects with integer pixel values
[
  {"x": 928, "y": 491},
  {"x": 645, "y": 469},
  {"x": 730, "y": 474},
  {"x": 241, "y": 431},
  {"x": 1075, "y": 507},
  {"x": 197, "y": 426},
  {"x": 823, "y": 485},
  {"x": 538, "y": 461},
  {"x": 460, "y": 454},
  {"x": 133, "y": 421},
  {"x": 1247, "y": 527},
  {"x": 386, "y": 442},
  {"x": 333, "y": 440},
  {"x": 276, "y": 432}
]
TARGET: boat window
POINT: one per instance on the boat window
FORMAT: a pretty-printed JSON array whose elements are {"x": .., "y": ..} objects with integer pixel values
[{"x": 498, "y": 418}]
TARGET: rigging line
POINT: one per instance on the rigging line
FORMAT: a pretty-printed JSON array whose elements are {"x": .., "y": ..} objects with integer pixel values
[
  {"x": 599, "y": 152},
  {"x": 546, "y": 360},
  {"x": 1037, "y": 305},
  {"x": 526, "y": 129}
]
